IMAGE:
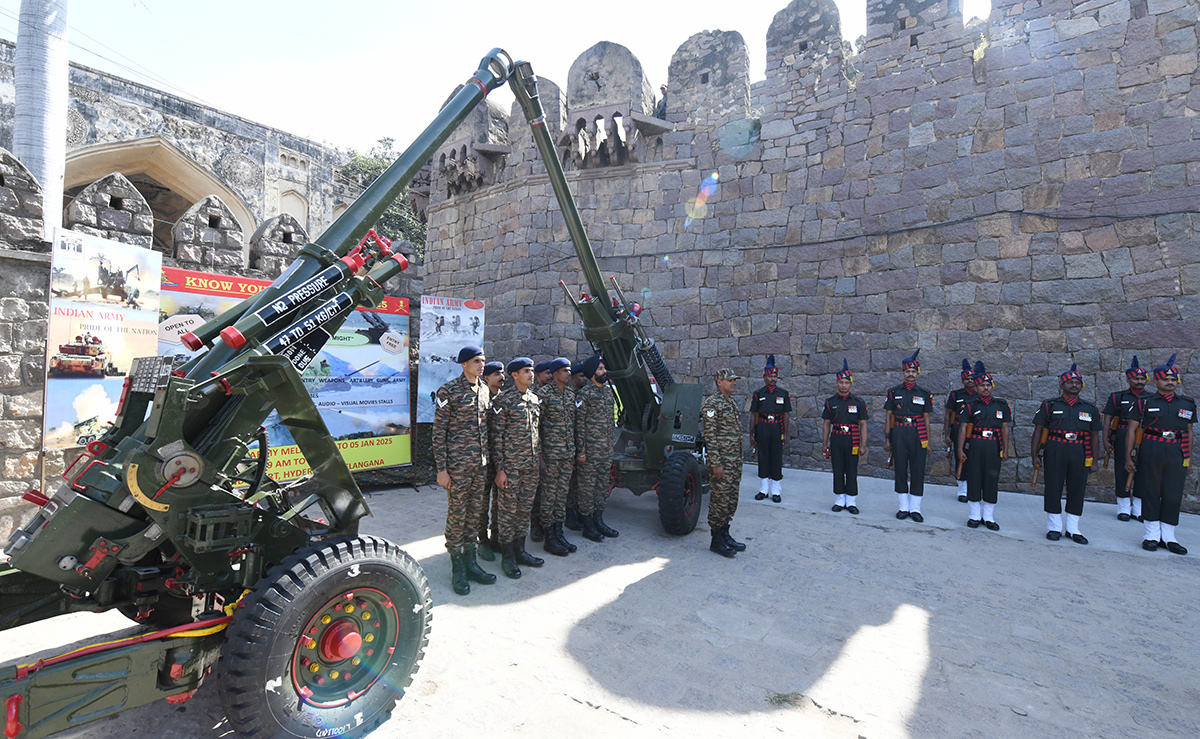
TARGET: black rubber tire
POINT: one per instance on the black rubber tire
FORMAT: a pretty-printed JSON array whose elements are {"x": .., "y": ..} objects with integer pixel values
[
  {"x": 679, "y": 489},
  {"x": 255, "y": 674}
]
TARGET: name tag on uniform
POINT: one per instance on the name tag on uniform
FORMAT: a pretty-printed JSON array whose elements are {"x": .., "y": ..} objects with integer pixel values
[
  {"x": 779, "y": 401},
  {"x": 1185, "y": 414},
  {"x": 1126, "y": 402},
  {"x": 1058, "y": 413},
  {"x": 852, "y": 409},
  {"x": 919, "y": 400},
  {"x": 1085, "y": 416},
  {"x": 712, "y": 414},
  {"x": 1000, "y": 414},
  {"x": 1154, "y": 410}
]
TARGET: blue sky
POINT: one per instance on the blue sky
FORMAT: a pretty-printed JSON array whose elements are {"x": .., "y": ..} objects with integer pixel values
[{"x": 350, "y": 73}]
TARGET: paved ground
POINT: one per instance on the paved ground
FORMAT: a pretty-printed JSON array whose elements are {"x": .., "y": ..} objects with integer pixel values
[{"x": 828, "y": 625}]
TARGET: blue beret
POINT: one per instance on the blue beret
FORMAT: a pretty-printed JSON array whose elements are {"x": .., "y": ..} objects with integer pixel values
[
  {"x": 590, "y": 365},
  {"x": 554, "y": 365},
  {"x": 519, "y": 363},
  {"x": 492, "y": 367},
  {"x": 469, "y": 352},
  {"x": 541, "y": 367},
  {"x": 577, "y": 368}
]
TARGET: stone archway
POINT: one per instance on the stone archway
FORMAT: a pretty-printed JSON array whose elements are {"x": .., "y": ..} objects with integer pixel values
[{"x": 169, "y": 180}]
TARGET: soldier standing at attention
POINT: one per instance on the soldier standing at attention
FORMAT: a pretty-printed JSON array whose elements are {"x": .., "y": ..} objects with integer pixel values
[
  {"x": 769, "y": 408},
  {"x": 460, "y": 451},
  {"x": 844, "y": 435},
  {"x": 594, "y": 449},
  {"x": 983, "y": 441},
  {"x": 493, "y": 375},
  {"x": 541, "y": 372},
  {"x": 906, "y": 437},
  {"x": 1072, "y": 436},
  {"x": 558, "y": 451},
  {"x": 722, "y": 420},
  {"x": 572, "y": 522},
  {"x": 514, "y": 424},
  {"x": 1165, "y": 420},
  {"x": 1116, "y": 423},
  {"x": 954, "y": 406}
]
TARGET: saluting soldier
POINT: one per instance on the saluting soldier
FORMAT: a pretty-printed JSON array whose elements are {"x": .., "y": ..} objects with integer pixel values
[
  {"x": 722, "y": 421},
  {"x": 493, "y": 375},
  {"x": 1165, "y": 420},
  {"x": 983, "y": 438},
  {"x": 906, "y": 437},
  {"x": 1116, "y": 425},
  {"x": 558, "y": 450},
  {"x": 514, "y": 424},
  {"x": 844, "y": 435},
  {"x": 460, "y": 451},
  {"x": 954, "y": 406},
  {"x": 1072, "y": 435},
  {"x": 769, "y": 409},
  {"x": 595, "y": 448}
]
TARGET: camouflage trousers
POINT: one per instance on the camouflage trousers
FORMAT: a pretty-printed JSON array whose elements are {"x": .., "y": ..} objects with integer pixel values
[
  {"x": 515, "y": 502},
  {"x": 555, "y": 483},
  {"x": 573, "y": 489},
  {"x": 723, "y": 496},
  {"x": 464, "y": 504},
  {"x": 593, "y": 485},
  {"x": 489, "y": 498}
]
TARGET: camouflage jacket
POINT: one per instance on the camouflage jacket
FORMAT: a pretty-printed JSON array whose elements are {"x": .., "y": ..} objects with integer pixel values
[
  {"x": 558, "y": 421},
  {"x": 513, "y": 424},
  {"x": 460, "y": 428},
  {"x": 722, "y": 430},
  {"x": 594, "y": 419}
]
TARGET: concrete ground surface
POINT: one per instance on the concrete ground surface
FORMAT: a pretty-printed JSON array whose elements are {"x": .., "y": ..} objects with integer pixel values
[{"x": 827, "y": 625}]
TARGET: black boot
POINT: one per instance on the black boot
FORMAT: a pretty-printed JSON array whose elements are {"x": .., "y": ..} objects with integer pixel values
[
  {"x": 736, "y": 546},
  {"x": 472, "y": 568},
  {"x": 573, "y": 517},
  {"x": 524, "y": 557},
  {"x": 558, "y": 532},
  {"x": 494, "y": 541},
  {"x": 508, "y": 560},
  {"x": 554, "y": 545},
  {"x": 608, "y": 531},
  {"x": 589, "y": 528},
  {"x": 458, "y": 575},
  {"x": 535, "y": 528},
  {"x": 485, "y": 551},
  {"x": 719, "y": 545}
]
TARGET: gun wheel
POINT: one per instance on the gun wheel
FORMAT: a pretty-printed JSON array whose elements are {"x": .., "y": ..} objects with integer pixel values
[
  {"x": 679, "y": 488},
  {"x": 327, "y": 642}
]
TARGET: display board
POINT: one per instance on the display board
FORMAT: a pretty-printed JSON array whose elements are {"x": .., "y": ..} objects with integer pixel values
[{"x": 447, "y": 325}]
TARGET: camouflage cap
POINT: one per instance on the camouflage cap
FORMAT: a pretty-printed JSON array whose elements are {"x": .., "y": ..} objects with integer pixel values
[{"x": 727, "y": 374}]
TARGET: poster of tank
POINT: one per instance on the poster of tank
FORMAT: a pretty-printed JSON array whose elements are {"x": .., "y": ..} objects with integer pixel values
[
  {"x": 104, "y": 300},
  {"x": 359, "y": 380},
  {"x": 447, "y": 325}
]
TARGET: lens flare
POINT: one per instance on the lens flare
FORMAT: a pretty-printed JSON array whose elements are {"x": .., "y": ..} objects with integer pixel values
[{"x": 697, "y": 208}]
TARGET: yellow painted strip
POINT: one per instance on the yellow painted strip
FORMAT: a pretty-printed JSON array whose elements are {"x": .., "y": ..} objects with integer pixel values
[{"x": 138, "y": 495}]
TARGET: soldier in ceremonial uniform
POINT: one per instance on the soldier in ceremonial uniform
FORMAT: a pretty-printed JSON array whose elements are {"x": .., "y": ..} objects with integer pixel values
[
  {"x": 844, "y": 435},
  {"x": 722, "y": 420},
  {"x": 1165, "y": 420},
  {"x": 558, "y": 451},
  {"x": 594, "y": 449},
  {"x": 493, "y": 375},
  {"x": 1116, "y": 424},
  {"x": 954, "y": 405},
  {"x": 514, "y": 424},
  {"x": 460, "y": 451},
  {"x": 769, "y": 409},
  {"x": 1072, "y": 435},
  {"x": 983, "y": 438},
  {"x": 906, "y": 437}
]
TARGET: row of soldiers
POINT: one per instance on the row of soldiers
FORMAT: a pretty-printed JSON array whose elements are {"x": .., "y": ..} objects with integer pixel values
[{"x": 536, "y": 454}]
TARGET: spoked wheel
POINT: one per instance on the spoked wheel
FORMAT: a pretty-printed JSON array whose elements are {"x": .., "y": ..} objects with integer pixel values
[
  {"x": 679, "y": 488},
  {"x": 327, "y": 642}
]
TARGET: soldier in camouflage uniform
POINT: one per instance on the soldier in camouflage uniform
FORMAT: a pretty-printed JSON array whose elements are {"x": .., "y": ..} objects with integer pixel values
[
  {"x": 594, "y": 448},
  {"x": 460, "y": 451},
  {"x": 723, "y": 450},
  {"x": 558, "y": 453},
  {"x": 493, "y": 375},
  {"x": 541, "y": 374},
  {"x": 578, "y": 381},
  {"x": 514, "y": 424}
]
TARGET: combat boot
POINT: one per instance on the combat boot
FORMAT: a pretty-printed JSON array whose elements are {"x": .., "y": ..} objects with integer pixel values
[
  {"x": 608, "y": 531},
  {"x": 553, "y": 544},
  {"x": 485, "y": 551},
  {"x": 736, "y": 546},
  {"x": 535, "y": 528},
  {"x": 589, "y": 528},
  {"x": 524, "y": 557},
  {"x": 573, "y": 518},
  {"x": 508, "y": 560},
  {"x": 472, "y": 568},
  {"x": 719, "y": 545},
  {"x": 458, "y": 574},
  {"x": 558, "y": 532}
]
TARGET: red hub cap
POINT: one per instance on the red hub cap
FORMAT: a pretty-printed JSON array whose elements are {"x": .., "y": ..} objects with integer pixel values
[{"x": 341, "y": 641}]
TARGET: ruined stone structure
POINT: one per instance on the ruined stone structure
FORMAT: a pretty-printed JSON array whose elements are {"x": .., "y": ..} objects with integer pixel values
[{"x": 1021, "y": 192}]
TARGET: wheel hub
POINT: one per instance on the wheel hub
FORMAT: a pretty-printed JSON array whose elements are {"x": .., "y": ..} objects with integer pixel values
[{"x": 340, "y": 642}]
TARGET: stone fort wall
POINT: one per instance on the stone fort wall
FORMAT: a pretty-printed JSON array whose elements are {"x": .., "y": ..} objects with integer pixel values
[{"x": 1022, "y": 192}]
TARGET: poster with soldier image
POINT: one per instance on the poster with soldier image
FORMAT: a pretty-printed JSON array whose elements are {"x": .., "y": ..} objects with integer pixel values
[
  {"x": 359, "y": 380},
  {"x": 447, "y": 325},
  {"x": 104, "y": 298}
]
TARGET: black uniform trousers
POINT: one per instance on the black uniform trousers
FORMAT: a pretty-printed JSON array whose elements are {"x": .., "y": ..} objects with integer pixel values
[
  {"x": 954, "y": 445},
  {"x": 1119, "y": 472},
  {"x": 908, "y": 459},
  {"x": 1159, "y": 476},
  {"x": 1064, "y": 467},
  {"x": 845, "y": 464},
  {"x": 982, "y": 469},
  {"x": 768, "y": 440}
]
